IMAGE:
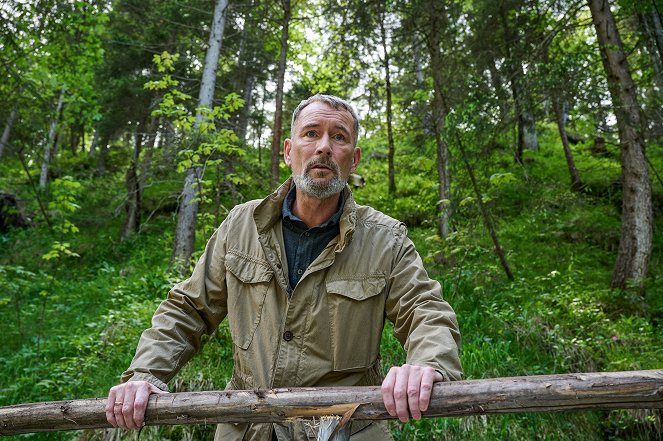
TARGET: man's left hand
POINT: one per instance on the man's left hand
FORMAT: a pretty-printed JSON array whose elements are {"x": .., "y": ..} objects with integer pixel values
[{"x": 406, "y": 390}]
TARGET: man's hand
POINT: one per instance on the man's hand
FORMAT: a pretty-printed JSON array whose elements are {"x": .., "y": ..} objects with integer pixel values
[
  {"x": 127, "y": 402},
  {"x": 406, "y": 390}
]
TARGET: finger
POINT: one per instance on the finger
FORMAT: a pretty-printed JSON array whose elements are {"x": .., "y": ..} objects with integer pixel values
[
  {"x": 140, "y": 405},
  {"x": 387, "y": 390},
  {"x": 413, "y": 386},
  {"x": 427, "y": 380},
  {"x": 117, "y": 404},
  {"x": 128, "y": 405},
  {"x": 110, "y": 401},
  {"x": 400, "y": 393}
]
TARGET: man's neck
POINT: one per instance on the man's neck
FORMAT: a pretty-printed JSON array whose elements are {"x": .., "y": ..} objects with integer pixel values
[{"x": 313, "y": 211}]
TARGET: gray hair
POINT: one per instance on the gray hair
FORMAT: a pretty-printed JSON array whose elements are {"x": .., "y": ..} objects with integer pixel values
[{"x": 335, "y": 102}]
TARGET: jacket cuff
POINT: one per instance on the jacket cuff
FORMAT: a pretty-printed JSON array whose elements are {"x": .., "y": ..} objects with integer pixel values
[
  {"x": 140, "y": 376},
  {"x": 445, "y": 376}
]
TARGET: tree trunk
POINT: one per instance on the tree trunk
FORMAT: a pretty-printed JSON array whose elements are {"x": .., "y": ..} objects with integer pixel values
[
  {"x": 185, "y": 232},
  {"x": 576, "y": 183},
  {"x": 439, "y": 114},
  {"x": 132, "y": 206},
  {"x": 146, "y": 163},
  {"x": 527, "y": 138},
  {"x": 50, "y": 143},
  {"x": 8, "y": 128},
  {"x": 136, "y": 178},
  {"x": 537, "y": 393},
  {"x": 245, "y": 111},
  {"x": 487, "y": 219},
  {"x": 421, "y": 109},
  {"x": 94, "y": 144},
  {"x": 636, "y": 236},
  {"x": 246, "y": 80},
  {"x": 103, "y": 155},
  {"x": 278, "y": 113},
  {"x": 648, "y": 21},
  {"x": 657, "y": 28},
  {"x": 387, "y": 77},
  {"x": 501, "y": 94}
]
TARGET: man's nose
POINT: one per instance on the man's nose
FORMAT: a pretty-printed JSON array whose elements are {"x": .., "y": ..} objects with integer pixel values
[{"x": 324, "y": 145}]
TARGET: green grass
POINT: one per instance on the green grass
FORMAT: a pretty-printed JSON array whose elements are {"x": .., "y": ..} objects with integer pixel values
[{"x": 80, "y": 317}]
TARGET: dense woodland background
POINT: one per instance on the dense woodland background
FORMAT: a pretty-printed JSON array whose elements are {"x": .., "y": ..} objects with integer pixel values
[{"x": 521, "y": 142}]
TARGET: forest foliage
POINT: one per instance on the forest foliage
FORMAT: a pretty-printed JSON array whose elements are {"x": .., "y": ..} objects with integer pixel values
[{"x": 487, "y": 126}]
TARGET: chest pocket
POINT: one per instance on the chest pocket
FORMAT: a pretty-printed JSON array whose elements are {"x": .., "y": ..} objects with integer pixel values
[
  {"x": 356, "y": 316},
  {"x": 248, "y": 281}
]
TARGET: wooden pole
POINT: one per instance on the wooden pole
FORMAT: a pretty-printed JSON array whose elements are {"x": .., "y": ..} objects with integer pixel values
[{"x": 541, "y": 393}]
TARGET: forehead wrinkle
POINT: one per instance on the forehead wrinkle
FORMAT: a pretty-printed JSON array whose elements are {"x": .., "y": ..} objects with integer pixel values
[{"x": 316, "y": 124}]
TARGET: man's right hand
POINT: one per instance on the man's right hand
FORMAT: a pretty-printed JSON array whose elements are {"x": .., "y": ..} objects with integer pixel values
[{"x": 126, "y": 403}]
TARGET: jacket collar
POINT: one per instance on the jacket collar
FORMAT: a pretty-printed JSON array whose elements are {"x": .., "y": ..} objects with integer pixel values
[{"x": 268, "y": 213}]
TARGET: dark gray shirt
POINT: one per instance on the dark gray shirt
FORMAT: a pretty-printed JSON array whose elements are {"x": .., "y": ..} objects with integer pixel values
[{"x": 303, "y": 244}]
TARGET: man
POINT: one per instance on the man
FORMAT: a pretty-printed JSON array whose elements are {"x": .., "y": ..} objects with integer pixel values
[{"x": 306, "y": 278}]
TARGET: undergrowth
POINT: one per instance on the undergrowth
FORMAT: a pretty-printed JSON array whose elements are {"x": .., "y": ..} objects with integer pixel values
[{"x": 69, "y": 328}]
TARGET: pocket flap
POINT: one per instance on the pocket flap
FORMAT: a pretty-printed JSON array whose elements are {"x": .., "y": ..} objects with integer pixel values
[
  {"x": 248, "y": 270},
  {"x": 358, "y": 288}
]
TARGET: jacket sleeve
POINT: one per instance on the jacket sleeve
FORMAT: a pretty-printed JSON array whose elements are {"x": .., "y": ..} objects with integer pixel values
[
  {"x": 193, "y": 307},
  {"x": 424, "y": 323}
]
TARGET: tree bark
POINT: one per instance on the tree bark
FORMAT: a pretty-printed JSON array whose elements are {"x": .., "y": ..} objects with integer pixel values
[
  {"x": 387, "y": 80},
  {"x": 498, "y": 85},
  {"x": 648, "y": 21},
  {"x": 94, "y": 144},
  {"x": 246, "y": 80},
  {"x": 439, "y": 114},
  {"x": 539, "y": 393},
  {"x": 278, "y": 113},
  {"x": 50, "y": 142},
  {"x": 636, "y": 235},
  {"x": 185, "y": 232},
  {"x": 245, "y": 111},
  {"x": 576, "y": 183},
  {"x": 527, "y": 137},
  {"x": 8, "y": 128},
  {"x": 136, "y": 178},
  {"x": 132, "y": 206},
  {"x": 487, "y": 219},
  {"x": 103, "y": 155}
]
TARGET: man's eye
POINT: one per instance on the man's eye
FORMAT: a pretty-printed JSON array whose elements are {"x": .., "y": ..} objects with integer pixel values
[
  {"x": 310, "y": 134},
  {"x": 339, "y": 137}
]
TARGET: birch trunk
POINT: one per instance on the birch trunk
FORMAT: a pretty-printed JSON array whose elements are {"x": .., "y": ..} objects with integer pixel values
[
  {"x": 8, "y": 128},
  {"x": 278, "y": 113},
  {"x": 50, "y": 143},
  {"x": 439, "y": 114},
  {"x": 185, "y": 232},
  {"x": 636, "y": 236}
]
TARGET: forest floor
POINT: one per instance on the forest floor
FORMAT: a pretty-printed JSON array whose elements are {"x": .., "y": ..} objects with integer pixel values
[{"x": 69, "y": 325}]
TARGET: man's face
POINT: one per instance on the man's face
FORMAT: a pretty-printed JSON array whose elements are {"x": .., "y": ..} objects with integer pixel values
[{"x": 321, "y": 152}]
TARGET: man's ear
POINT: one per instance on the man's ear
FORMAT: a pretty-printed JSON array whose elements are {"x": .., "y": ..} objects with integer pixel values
[
  {"x": 355, "y": 159},
  {"x": 287, "y": 145}
]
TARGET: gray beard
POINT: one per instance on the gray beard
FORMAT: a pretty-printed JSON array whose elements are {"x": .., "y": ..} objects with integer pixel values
[{"x": 318, "y": 190}]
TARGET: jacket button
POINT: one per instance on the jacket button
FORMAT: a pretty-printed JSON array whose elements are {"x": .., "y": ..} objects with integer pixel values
[{"x": 287, "y": 335}]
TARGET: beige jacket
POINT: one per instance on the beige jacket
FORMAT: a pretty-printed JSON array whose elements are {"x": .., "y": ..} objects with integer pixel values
[{"x": 326, "y": 332}]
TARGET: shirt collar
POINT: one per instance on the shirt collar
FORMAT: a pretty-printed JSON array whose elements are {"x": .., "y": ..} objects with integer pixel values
[{"x": 286, "y": 209}]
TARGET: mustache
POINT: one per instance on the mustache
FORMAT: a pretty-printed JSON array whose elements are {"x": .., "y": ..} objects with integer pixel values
[{"x": 323, "y": 160}]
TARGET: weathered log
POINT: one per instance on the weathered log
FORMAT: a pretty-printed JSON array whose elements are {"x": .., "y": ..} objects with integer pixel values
[{"x": 542, "y": 393}]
